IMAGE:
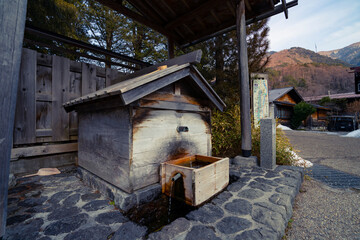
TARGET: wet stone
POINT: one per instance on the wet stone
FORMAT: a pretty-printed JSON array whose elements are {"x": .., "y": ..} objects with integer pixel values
[
  {"x": 33, "y": 194},
  {"x": 239, "y": 206},
  {"x": 235, "y": 187},
  {"x": 221, "y": 198},
  {"x": 57, "y": 197},
  {"x": 90, "y": 233},
  {"x": 169, "y": 232},
  {"x": 96, "y": 205},
  {"x": 261, "y": 186},
  {"x": 201, "y": 232},
  {"x": 13, "y": 200},
  {"x": 111, "y": 217},
  {"x": 244, "y": 179},
  {"x": 27, "y": 231},
  {"x": 47, "y": 207},
  {"x": 207, "y": 214},
  {"x": 32, "y": 202},
  {"x": 256, "y": 234},
  {"x": 250, "y": 193},
  {"x": 269, "y": 218},
  {"x": 253, "y": 174},
  {"x": 272, "y": 174},
  {"x": 90, "y": 196},
  {"x": 129, "y": 231},
  {"x": 17, "y": 219},
  {"x": 45, "y": 238},
  {"x": 18, "y": 189},
  {"x": 72, "y": 200},
  {"x": 266, "y": 181},
  {"x": 63, "y": 212},
  {"x": 230, "y": 225},
  {"x": 66, "y": 225}
]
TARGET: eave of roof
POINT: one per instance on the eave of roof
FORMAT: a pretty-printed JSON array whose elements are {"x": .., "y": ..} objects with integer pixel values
[
  {"x": 128, "y": 90},
  {"x": 188, "y": 22}
]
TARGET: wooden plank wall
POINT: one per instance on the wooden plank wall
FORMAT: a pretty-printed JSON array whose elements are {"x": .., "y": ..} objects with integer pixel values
[{"x": 45, "y": 83}]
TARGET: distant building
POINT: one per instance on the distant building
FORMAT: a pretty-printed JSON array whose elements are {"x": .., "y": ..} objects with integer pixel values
[
  {"x": 350, "y": 97},
  {"x": 283, "y": 101}
]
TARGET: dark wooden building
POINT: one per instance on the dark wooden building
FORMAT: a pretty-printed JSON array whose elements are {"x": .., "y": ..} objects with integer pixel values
[
  {"x": 128, "y": 129},
  {"x": 283, "y": 101}
]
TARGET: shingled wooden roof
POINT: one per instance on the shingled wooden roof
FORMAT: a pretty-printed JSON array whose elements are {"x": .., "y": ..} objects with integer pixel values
[
  {"x": 187, "y": 21},
  {"x": 150, "y": 80}
]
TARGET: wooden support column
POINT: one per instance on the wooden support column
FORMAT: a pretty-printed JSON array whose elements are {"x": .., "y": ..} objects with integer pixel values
[
  {"x": 171, "y": 48},
  {"x": 12, "y": 25},
  {"x": 244, "y": 80}
]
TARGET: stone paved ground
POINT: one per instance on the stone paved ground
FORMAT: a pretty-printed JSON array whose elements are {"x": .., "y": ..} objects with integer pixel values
[{"x": 258, "y": 204}]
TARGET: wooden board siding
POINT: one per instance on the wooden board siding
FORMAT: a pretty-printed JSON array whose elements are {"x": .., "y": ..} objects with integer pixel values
[
  {"x": 46, "y": 82},
  {"x": 286, "y": 98},
  {"x": 104, "y": 145},
  {"x": 156, "y": 140}
]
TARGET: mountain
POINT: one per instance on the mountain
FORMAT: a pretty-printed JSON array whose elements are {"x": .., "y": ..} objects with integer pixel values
[
  {"x": 349, "y": 54},
  {"x": 311, "y": 73}
]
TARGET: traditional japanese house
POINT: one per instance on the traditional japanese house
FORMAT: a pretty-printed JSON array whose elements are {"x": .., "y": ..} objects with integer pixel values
[
  {"x": 128, "y": 129},
  {"x": 284, "y": 99}
]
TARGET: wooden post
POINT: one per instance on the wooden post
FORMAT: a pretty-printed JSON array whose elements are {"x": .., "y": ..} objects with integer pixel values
[
  {"x": 244, "y": 80},
  {"x": 12, "y": 25},
  {"x": 171, "y": 48}
]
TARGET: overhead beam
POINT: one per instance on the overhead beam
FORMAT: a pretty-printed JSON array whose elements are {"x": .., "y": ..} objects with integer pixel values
[
  {"x": 54, "y": 36},
  {"x": 191, "y": 14},
  {"x": 117, "y": 6},
  {"x": 12, "y": 24},
  {"x": 285, "y": 9},
  {"x": 277, "y": 10}
]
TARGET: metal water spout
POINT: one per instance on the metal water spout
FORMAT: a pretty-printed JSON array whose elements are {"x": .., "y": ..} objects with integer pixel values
[{"x": 176, "y": 177}]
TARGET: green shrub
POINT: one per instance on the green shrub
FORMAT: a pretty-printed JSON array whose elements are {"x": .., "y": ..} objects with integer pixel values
[
  {"x": 226, "y": 137},
  {"x": 301, "y": 111}
]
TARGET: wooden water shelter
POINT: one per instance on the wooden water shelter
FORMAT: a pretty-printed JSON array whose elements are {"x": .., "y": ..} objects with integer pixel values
[
  {"x": 128, "y": 129},
  {"x": 184, "y": 22}
]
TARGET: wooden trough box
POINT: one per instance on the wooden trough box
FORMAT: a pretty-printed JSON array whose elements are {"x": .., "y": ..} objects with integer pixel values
[
  {"x": 154, "y": 115},
  {"x": 194, "y": 179}
]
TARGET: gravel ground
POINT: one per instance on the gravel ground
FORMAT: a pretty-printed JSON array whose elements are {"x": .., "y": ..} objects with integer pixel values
[
  {"x": 321, "y": 212},
  {"x": 341, "y": 153}
]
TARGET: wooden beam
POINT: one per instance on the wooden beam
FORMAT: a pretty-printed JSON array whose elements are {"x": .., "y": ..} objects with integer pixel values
[
  {"x": 285, "y": 8},
  {"x": 117, "y": 6},
  {"x": 34, "y": 151},
  {"x": 244, "y": 80},
  {"x": 54, "y": 36},
  {"x": 277, "y": 10},
  {"x": 12, "y": 24},
  {"x": 171, "y": 48},
  {"x": 192, "y": 14}
]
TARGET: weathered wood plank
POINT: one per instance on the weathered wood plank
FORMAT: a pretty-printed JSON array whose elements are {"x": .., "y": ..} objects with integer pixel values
[
  {"x": 143, "y": 90},
  {"x": 12, "y": 24},
  {"x": 88, "y": 79},
  {"x": 44, "y": 59},
  {"x": 171, "y": 105},
  {"x": 24, "y": 129},
  {"x": 104, "y": 146},
  {"x": 74, "y": 92},
  {"x": 43, "y": 132},
  {"x": 33, "y": 164},
  {"x": 111, "y": 76},
  {"x": 43, "y": 150},
  {"x": 60, "y": 89}
]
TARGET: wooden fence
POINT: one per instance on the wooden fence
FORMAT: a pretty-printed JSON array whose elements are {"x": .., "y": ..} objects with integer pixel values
[{"x": 42, "y": 127}]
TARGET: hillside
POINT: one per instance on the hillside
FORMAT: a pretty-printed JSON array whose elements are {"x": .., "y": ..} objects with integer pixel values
[
  {"x": 349, "y": 54},
  {"x": 311, "y": 73}
]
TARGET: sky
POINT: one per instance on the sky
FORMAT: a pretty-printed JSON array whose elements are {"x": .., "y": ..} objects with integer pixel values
[{"x": 330, "y": 24}]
